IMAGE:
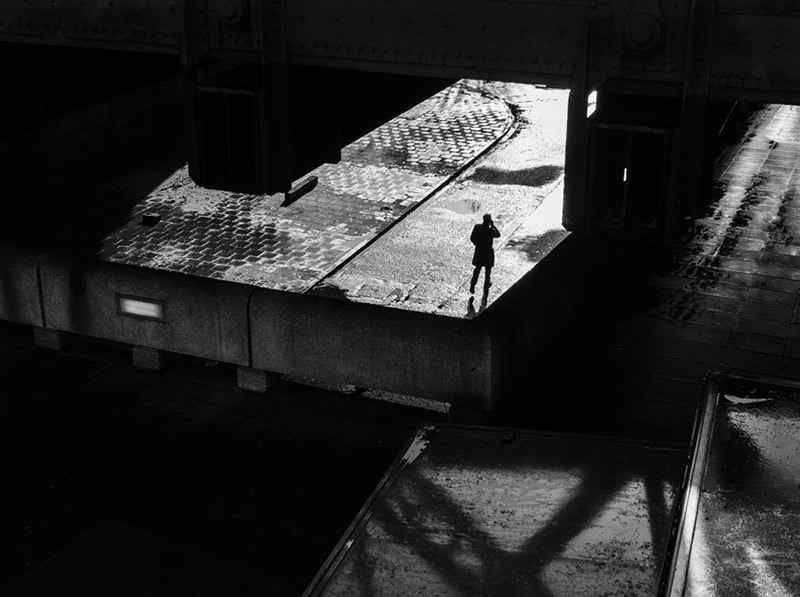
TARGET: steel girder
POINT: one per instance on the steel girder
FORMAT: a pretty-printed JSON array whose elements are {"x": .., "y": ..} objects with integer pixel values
[{"x": 732, "y": 48}]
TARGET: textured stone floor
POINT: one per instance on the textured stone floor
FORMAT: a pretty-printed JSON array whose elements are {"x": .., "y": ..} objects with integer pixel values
[{"x": 255, "y": 240}]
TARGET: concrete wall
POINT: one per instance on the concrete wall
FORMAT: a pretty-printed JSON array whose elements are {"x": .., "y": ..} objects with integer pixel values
[
  {"x": 205, "y": 318},
  {"x": 19, "y": 286},
  {"x": 445, "y": 359},
  {"x": 471, "y": 363},
  {"x": 544, "y": 310}
]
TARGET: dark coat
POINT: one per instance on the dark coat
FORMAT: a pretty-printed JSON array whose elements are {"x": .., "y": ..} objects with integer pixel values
[{"x": 482, "y": 237}]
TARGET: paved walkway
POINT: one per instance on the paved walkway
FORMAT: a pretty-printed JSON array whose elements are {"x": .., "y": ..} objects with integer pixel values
[{"x": 255, "y": 240}]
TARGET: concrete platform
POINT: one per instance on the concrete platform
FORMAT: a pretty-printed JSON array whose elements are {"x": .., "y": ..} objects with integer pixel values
[
  {"x": 473, "y": 148},
  {"x": 386, "y": 228},
  {"x": 265, "y": 242}
]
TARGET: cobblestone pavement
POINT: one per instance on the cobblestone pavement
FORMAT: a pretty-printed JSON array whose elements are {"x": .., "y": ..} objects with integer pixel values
[
  {"x": 255, "y": 240},
  {"x": 424, "y": 263}
]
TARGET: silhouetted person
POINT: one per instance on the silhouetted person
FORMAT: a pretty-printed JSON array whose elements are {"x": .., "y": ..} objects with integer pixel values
[{"x": 482, "y": 237}]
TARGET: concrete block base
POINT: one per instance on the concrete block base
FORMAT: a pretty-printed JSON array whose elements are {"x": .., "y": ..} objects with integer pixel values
[
  {"x": 150, "y": 359},
  {"x": 255, "y": 380},
  {"x": 465, "y": 415},
  {"x": 50, "y": 339}
]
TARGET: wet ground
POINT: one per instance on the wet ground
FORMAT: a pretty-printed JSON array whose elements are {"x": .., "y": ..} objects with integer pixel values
[
  {"x": 749, "y": 515},
  {"x": 488, "y": 512}
]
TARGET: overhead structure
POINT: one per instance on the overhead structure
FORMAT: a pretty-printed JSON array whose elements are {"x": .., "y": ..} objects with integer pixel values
[{"x": 634, "y": 166}]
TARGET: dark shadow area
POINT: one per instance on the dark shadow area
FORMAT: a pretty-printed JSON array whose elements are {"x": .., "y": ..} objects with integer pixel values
[
  {"x": 81, "y": 119},
  {"x": 221, "y": 477},
  {"x": 558, "y": 319},
  {"x": 328, "y": 289},
  {"x": 329, "y": 105},
  {"x": 369, "y": 100},
  {"x": 531, "y": 177},
  {"x": 472, "y": 310},
  {"x": 44, "y": 82},
  {"x": 76, "y": 119},
  {"x": 593, "y": 287},
  {"x": 72, "y": 214}
]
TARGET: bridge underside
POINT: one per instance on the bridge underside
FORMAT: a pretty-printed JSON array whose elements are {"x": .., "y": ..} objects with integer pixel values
[
  {"x": 657, "y": 67},
  {"x": 724, "y": 48}
]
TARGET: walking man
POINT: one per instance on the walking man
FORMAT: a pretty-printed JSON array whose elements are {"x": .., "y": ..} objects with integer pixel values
[{"x": 482, "y": 237}]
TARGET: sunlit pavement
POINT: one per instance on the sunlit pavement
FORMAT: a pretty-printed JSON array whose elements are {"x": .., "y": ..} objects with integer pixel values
[
  {"x": 424, "y": 262},
  {"x": 256, "y": 240}
]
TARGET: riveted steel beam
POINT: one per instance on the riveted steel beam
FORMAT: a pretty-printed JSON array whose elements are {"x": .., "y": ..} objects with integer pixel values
[
  {"x": 755, "y": 53},
  {"x": 136, "y": 25},
  {"x": 643, "y": 43},
  {"x": 633, "y": 45},
  {"x": 502, "y": 40}
]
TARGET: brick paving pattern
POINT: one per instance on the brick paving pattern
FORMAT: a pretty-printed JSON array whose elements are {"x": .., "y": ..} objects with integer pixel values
[{"x": 254, "y": 240}]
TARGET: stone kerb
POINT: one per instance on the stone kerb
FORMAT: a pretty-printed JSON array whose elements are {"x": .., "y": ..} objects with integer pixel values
[
  {"x": 439, "y": 358},
  {"x": 154, "y": 309}
]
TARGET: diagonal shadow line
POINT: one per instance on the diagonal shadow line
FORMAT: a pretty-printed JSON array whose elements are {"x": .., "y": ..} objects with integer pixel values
[
  {"x": 439, "y": 557},
  {"x": 659, "y": 513},
  {"x": 588, "y": 500},
  {"x": 743, "y": 471},
  {"x": 362, "y": 564},
  {"x": 494, "y": 558}
]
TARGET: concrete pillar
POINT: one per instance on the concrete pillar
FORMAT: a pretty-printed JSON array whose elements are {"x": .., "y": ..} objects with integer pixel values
[
  {"x": 255, "y": 380},
  {"x": 150, "y": 359},
  {"x": 50, "y": 339},
  {"x": 576, "y": 160},
  {"x": 693, "y": 156},
  {"x": 577, "y": 143},
  {"x": 692, "y": 160}
]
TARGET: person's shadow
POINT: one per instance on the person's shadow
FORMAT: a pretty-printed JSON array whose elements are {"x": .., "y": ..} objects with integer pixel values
[{"x": 471, "y": 312}]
